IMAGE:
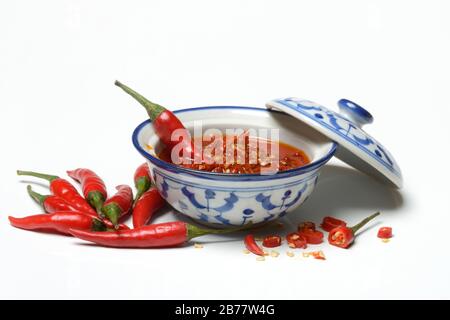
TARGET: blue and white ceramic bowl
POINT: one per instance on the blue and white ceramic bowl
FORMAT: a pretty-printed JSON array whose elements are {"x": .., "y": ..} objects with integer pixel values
[{"x": 232, "y": 200}]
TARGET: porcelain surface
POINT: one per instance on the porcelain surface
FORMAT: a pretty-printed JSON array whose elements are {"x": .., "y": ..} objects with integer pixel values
[
  {"x": 356, "y": 146},
  {"x": 232, "y": 200}
]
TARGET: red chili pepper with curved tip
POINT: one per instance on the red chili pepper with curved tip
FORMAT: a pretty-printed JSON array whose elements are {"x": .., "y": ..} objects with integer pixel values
[
  {"x": 343, "y": 237},
  {"x": 119, "y": 204},
  {"x": 252, "y": 246},
  {"x": 94, "y": 189},
  {"x": 60, "y": 222},
  {"x": 51, "y": 203},
  {"x": 150, "y": 202},
  {"x": 168, "y": 234},
  {"x": 329, "y": 223},
  {"x": 164, "y": 122},
  {"x": 62, "y": 188},
  {"x": 142, "y": 180}
]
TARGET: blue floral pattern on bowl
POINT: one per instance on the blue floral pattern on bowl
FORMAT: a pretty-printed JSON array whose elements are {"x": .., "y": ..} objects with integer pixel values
[
  {"x": 232, "y": 200},
  {"x": 345, "y": 129},
  {"x": 232, "y": 205}
]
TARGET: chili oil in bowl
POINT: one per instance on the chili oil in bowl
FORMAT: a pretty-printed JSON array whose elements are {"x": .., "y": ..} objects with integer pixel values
[{"x": 223, "y": 198}]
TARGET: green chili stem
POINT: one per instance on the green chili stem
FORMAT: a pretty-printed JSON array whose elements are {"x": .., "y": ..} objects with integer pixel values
[
  {"x": 96, "y": 199},
  {"x": 153, "y": 109},
  {"x": 355, "y": 228},
  {"x": 39, "y": 198},
  {"x": 194, "y": 231},
  {"x": 142, "y": 184},
  {"x": 112, "y": 211},
  {"x": 47, "y": 177},
  {"x": 98, "y": 225}
]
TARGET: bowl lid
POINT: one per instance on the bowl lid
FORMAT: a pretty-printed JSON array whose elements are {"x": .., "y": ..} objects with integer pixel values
[{"x": 356, "y": 147}]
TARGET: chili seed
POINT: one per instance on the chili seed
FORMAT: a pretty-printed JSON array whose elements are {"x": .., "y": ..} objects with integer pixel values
[
  {"x": 274, "y": 253},
  {"x": 260, "y": 258},
  {"x": 385, "y": 240},
  {"x": 290, "y": 254},
  {"x": 245, "y": 251},
  {"x": 198, "y": 246}
]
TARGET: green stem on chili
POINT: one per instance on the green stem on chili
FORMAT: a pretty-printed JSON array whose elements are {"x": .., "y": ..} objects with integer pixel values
[
  {"x": 47, "y": 177},
  {"x": 358, "y": 226},
  {"x": 39, "y": 198},
  {"x": 153, "y": 109}
]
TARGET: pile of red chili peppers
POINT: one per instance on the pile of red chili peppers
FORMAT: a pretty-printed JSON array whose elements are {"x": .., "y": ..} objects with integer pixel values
[{"x": 95, "y": 217}]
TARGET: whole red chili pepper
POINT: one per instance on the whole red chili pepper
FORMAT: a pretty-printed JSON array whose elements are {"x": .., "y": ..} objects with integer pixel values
[
  {"x": 60, "y": 222},
  {"x": 343, "y": 236},
  {"x": 94, "y": 189},
  {"x": 142, "y": 180},
  {"x": 51, "y": 203},
  {"x": 150, "y": 202},
  {"x": 164, "y": 122},
  {"x": 118, "y": 205},
  {"x": 166, "y": 234},
  {"x": 252, "y": 246},
  {"x": 62, "y": 188}
]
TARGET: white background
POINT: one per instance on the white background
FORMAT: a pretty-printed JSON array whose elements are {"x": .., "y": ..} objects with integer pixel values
[{"x": 60, "y": 110}]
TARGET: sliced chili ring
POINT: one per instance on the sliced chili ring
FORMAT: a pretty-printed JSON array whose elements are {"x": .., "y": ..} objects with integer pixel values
[
  {"x": 295, "y": 240},
  {"x": 385, "y": 233},
  {"x": 271, "y": 241},
  {"x": 312, "y": 236},
  {"x": 329, "y": 223},
  {"x": 307, "y": 225}
]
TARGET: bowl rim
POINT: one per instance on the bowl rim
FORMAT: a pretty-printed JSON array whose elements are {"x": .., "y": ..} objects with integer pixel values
[{"x": 228, "y": 176}]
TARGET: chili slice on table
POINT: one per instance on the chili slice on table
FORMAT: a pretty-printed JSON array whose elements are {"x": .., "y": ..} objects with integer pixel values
[
  {"x": 271, "y": 241},
  {"x": 343, "y": 237},
  {"x": 295, "y": 240},
  {"x": 385, "y": 233},
  {"x": 329, "y": 223},
  {"x": 306, "y": 225},
  {"x": 62, "y": 188},
  {"x": 312, "y": 236}
]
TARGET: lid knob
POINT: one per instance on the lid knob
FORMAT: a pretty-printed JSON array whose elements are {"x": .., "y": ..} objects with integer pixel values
[{"x": 354, "y": 112}]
